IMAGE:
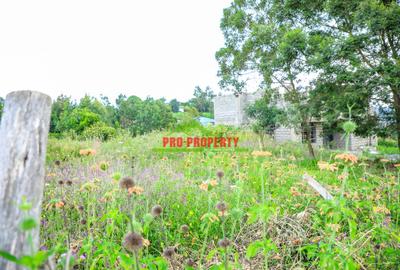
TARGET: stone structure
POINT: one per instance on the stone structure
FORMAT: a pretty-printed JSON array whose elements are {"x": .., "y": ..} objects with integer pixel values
[{"x": 230, "y": 110}]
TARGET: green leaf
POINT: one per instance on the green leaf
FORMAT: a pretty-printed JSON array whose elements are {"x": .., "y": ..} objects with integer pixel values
[
  {"x": 8, "y": 256},
  {"x": 28, "y": 223},
  {"x": 253, "y": 249}
]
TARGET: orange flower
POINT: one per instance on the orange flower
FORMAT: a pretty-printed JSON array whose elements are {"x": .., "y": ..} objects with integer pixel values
[
  {"x": 343, "y": 176},
  {"x": 347, "y": 157},
  {"x": 322, "y": 165},
  {"x": 204, "y": 186},
  {"x": 87, "y": 152},
  {"x": 146, "y": 242},
  {"x": 59, "y": 204},
  {"x": 213, "y": 183},
  {"x": 135, "y": 189},
  {"x": 294, "y": 191},
  {"x": 381, "y": 210},
  {"x": 261, "y": 154}
]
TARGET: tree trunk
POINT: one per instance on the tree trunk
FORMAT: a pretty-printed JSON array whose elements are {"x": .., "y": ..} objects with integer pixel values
[
  {"x": 23, "y": 138},
  {"x": 307, "y": 133},
  {"x": 396, "y": 105}
]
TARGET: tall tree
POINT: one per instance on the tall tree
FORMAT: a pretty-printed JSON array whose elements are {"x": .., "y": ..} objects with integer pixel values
[
  {"x": 366, "y": 44},
  {"x": 258, "y": 39},
  {"x": 202, "y": 100}
]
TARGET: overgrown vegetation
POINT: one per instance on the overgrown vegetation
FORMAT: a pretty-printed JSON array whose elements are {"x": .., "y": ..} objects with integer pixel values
[{"x": 120, "y": 205}]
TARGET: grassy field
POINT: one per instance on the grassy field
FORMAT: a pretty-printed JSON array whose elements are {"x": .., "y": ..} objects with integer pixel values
[{"x": 121, "y": 205}]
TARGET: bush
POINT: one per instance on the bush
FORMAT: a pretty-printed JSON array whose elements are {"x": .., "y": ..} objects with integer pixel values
[{"x": 99, "y": 131}]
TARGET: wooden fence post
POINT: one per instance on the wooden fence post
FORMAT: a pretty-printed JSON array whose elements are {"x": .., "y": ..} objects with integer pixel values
[{"x": 23, "y": 139}]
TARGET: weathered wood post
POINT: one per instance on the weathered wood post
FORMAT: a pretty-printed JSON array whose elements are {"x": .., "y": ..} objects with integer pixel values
[{"x": 23, "y": 138}]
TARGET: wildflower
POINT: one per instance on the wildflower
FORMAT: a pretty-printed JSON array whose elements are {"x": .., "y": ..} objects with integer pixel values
[
  {"x": 156, "y": 210},
  {"x": 57, "y": 163},
  {"x": 213, "y": 183},
  {"x": 347, "y": 157},
  {"x": 81, "y": 208},
  {"x": 126, "y": 183},
  {"x": 83, "y": 221},
  {"x": 220, "y": 174},
  {"x": 261, "y": 154},
  {"x": 343, "y": 176},
  {"x": 104, "y": 166},
  {"x": 276, "y": 257},
  {"x": 60, "y": 204},
  {"x": 164, "y": 158},
  {"x": 294, "y": 191},
  {"x": 185, "y": 229},
  {"x": 69, "y": 183},
  {"x": 88, "y": 187},
  {"x": 221, "y": 207},
  {"x": 61, "y": 182},
  {"x": 87, "y": 152},
  {"x": 136, "y": 189},
  {"x": 210, "y": 217},
  {"x": 322, "y": 165},
  {"x": 204, "y": 186},
  {"x": 381, "y": 210},
  {"x": 397, "y": 165},
  {"x": 384, "y": 160},
  {"x": 224, "y": 243},
  {"x": 133, "y": 242},
  {"x": 169, "y": 252},
  {"x": 146, "y": 242}
]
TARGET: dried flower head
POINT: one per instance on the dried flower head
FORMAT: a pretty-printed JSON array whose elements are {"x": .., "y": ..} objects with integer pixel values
[
  {"x": 185, "y": 229},
  {"x": 57, "y": 163},
  {"x": 126, "y": 183},
  {"x": 190, "y": 263},
  {"x": 61, "y": 182},
  {"x": 224, "y": 243},
  {"x": 169, "y": 252},
  {"x": 220, "y": 174},
  {"x": 221, "y": 206},
  {"x": 69, "y": 182},
  {"x": 83, "y": 221},
  {"x": 156, "y": 210},
  {"x": 81, "y": 208},
  {"x": 133, "y": 242}
]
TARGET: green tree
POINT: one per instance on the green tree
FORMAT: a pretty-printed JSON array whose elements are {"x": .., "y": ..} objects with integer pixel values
[
  {"x": 258, "y": 40},
  {"x": 174, "y": 105},
  {"x": 77, "y": 120},
  {"x": 365, "y": 48},
  {"x": 61, "y": 108},
  {"x": 202, "y": 100},
  {"x": 140, "y": 117}
]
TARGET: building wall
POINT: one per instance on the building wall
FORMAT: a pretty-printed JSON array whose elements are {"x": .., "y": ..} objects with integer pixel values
[{"x": 230, "y": 110}]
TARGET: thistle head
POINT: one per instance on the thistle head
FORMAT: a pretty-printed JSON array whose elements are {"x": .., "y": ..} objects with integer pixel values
[
  {"x": 156, "y": 211},
  {"x": 133, "y": 241},
  {"x": 126, "y": 183}
]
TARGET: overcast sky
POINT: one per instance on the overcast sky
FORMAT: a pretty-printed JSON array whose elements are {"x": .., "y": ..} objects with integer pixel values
[{"x": 144, "y": 48}]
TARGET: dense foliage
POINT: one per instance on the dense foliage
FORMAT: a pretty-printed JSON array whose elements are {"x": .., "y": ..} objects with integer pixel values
[{"x": 321, "y": 56}]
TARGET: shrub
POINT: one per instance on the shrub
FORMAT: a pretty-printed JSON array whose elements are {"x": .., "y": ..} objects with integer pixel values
[{"x": 99, "y": 131}]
